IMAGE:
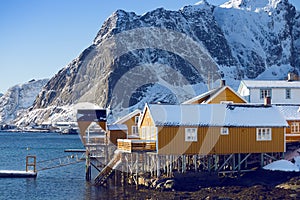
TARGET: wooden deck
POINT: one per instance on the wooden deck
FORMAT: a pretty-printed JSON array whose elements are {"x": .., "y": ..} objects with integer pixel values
[
  {"x": 292, "y": 137},
  {"x": 127, "y": 145}
]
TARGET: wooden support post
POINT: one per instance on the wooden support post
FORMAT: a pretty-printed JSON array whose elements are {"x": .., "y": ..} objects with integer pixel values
[
  {"x": 158, "y": 167},
  {"x": 195, "y": 162},
  {"x": 137, "y": 171},
  {"x": 216, "y": 159},
  {"x": 123, "y": 169},
  {"x": 239, "y": 163},
  {"x": 233, "y": 162},
  {"x": 171, "y": 165},
  {"x": 209, "y": 163},
  {"x": 88, "y": 173},
  {"x": 262, "y": 159}
]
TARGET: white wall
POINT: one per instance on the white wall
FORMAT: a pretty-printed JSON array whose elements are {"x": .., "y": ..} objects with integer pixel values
[{"x": 278, "y": 96}]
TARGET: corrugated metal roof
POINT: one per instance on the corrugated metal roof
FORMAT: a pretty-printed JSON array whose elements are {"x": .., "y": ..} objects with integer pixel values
[
  {"x": 117, "y": 127},
  {"x": 271, "y": 84},
  {"x": 290, "y": 112},
  {"x": 128, "y": 116},
  {"x": 217, "y": 115}
]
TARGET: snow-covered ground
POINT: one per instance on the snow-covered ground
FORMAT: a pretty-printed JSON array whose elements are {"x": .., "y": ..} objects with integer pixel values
[{"x": 284, "y": 165}]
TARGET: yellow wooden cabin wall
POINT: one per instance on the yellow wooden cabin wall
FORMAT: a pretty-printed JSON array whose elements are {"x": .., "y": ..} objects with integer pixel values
[
  {"x": 131, "y": 122},
  {"x": 290, "y": 138},
  {"x": 226, "y": 95},
  {"x": 146, "y": 121},
  {"x": 171, "y": 140}
]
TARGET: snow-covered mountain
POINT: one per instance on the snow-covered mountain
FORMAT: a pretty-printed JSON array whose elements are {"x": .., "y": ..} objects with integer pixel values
[
  {"x": 1, "y": 94},
  {"x": 19, "y": 98},
  {"x": 170, "y": 56}
]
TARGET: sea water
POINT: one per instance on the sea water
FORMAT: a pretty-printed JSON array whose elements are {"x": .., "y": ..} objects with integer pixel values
[{"x": 66, "y": 182}]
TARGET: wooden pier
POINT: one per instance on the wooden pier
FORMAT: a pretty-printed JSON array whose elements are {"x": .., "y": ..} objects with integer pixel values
[
  {"x": 30, "y": 172},
  {"x": 17, "y": 174}
]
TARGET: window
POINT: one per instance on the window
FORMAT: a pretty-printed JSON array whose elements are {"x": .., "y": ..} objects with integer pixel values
[
  {"x": 263, "y": 134},
  {"x": 224, "y": 131},
  {"x": 134, "y": 130},
  {"x": 136, "y": 119},
  {"x": 265, "y": 93},
  {"x": 295, "y": 127},
  {"x": 143, "y": 132},
  {"x": 226, "y": 102},
  {"x": 191, "y": 134},
  {"x": 288, "y": 93}
]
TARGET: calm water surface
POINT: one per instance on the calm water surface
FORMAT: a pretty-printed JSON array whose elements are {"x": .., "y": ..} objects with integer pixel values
[{"x": 61, "y": 183}]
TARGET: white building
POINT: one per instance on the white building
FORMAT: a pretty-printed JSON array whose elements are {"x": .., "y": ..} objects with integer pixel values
[{"x": 281, "y": 92}]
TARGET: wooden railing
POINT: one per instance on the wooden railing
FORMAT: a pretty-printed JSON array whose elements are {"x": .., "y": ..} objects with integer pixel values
[{"x": 136, "y": 145}]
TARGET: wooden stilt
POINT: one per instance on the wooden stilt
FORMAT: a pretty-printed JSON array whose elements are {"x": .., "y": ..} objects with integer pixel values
[
  {"x": 137, "y": 171},
  {"x": 262, "y": 159},
  {"x": 87, "y": 166},
  {"x": 158, "y": 166}
]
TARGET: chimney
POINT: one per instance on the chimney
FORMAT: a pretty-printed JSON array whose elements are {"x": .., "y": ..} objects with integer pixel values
[
  {"x": 291, "y": 76},
  {"x": 267, "y": 101},
  {"x": 222, "y": 83}
]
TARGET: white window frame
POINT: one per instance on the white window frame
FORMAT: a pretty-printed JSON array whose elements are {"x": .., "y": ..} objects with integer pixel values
[
  {"x": 226, "y": 102},
  {"x": 191, "y": 134},
  {"x": 295, "y": 127},
  {"x": 288, "y": 93},
  {"x": 224, "y": 131},
  {"x": 143, "y": 132},
  {"x": 134, "y": 130},
  {"x": 263, "y": 134},
  {"x": 136, "y": 119},
  {"x": 265, "y": 92}
]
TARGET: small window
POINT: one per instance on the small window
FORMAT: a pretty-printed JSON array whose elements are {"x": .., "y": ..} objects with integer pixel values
[
  {"x": 263, "y": 134},
  {"x": 295, "y": 127},
  {"x": 143, "y": 132},
  {"x": 226, "y": 102},
  {"x": 224, "y": 131},
  {"x": 288, "y": 93},
  {"x": 136, "y": 119},
  {"x": 265, "y": 93},
  {"x": 134, "y": 130},
  {"x": 191, "y": 134}
]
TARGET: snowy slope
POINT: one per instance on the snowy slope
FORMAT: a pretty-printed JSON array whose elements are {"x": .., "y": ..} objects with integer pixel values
[
  {"x": 19, "y": 98},
  {"x": 170, "y": 56}
]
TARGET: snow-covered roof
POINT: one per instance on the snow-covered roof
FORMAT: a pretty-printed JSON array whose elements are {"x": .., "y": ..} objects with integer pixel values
[
  {"x": 210, "y": 95},
  {"x": 270, "y": 84},
  {"x": 116, "y": 127},
  {"x": 201, "y": 96},
  {"x": 128, "y": 116},
  {"x": 236, "y": 115},
  {"x": 290, "y": 112}
]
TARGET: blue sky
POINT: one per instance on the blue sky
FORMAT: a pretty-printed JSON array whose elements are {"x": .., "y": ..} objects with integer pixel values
[{"x": 40, "y": 37}]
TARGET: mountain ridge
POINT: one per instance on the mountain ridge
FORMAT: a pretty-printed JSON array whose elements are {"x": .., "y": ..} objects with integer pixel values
[{"x": 136, "y": 59}]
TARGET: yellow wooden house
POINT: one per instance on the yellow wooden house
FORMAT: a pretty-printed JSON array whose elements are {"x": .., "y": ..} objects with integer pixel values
[
  {"x": 223, "y": 94},
  {"x": 292, "y": 115},
  {"x": 206, "y": 129},
  {"x": 131, "y": 121}
]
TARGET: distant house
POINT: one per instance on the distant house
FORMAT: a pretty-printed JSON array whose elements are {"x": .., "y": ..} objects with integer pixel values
[
  {"x": 292, "y": 115},
  {"x": 131, "y": 121},
  {"x": 223, "y": 94},
  {"x": 206, "y": 129},
  {"x": 280, "y": 92}
]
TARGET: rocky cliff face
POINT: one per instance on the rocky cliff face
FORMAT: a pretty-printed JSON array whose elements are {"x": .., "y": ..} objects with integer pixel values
[
  {"x": 169, "y": 56},
  {"x": 19, "y": 98}
]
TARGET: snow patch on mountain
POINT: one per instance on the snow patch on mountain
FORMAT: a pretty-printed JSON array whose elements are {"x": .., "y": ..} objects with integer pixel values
[{"x": 19, "y": 98}]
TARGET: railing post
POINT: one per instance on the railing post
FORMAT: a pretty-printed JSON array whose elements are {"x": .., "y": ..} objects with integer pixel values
[{"x": 30, "y": 163}]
